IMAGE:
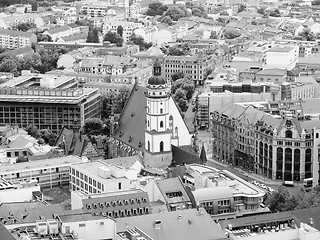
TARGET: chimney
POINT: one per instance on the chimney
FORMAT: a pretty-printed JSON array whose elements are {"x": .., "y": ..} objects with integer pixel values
[{"x": 157, "y": 224}]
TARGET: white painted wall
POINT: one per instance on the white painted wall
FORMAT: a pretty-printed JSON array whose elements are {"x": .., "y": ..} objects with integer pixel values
[
  {"x": 93, "y": 230},
  {"x": 183, "y": 132},
  {"x": 153, "y": 191},
  {"x": 18, "y": 195},
  {"x": 76, "y": 201}
]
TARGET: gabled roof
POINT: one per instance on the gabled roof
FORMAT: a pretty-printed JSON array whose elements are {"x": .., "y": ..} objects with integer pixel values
[
  {"x": 184, "y": 155},
  {"x": 273, "y": 72},
  {"x": 5, "y": 234},
  {"x": 72, "y": 142},
  {"x": 231, "y": 110},
  {"x": 188, "y": 224},
  {"x": 58, "y": 29},
  {"x": 16, "y": 33}
]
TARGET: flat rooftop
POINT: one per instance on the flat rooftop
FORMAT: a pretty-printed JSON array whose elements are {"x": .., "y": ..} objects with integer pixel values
[
  {"x": 227, "y": 179},
  {"x": 78, "y": 217},
  {"x": 281, "y": 49},
  {"x": 45, "y": 95},
  {"x": 92, "y": 169},
  {"x": 40, "y": 164}
]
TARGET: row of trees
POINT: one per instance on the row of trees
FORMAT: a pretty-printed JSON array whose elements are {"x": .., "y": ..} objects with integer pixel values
[
  {"x": 170, "y": 13},
  {"x": 282, "y": 200},
  {"x": 117, "y": 39},
  {"x": 41, "y": 61},
  {"x": 43, "y": 135},
  {"x": 182, "y": 90}
]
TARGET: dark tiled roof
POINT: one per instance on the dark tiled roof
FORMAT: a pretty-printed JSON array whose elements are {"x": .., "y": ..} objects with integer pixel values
[
  {"x": 184, "y": 155},
  {"x": 132, "y": 120},
  {"x": 5, "y": 234},
  {"x": 304, "y": 215},
  {"x": 73, "y": 142}
]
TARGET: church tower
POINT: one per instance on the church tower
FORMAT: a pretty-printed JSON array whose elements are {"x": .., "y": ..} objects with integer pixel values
[{"x": 157, "y": 132}]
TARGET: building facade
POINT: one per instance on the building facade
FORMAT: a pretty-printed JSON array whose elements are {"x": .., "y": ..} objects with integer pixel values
[
  {"x": 193, "y": 66},
  {"x": 17, "y": 39},
  {"x": 279, "y": 147}
]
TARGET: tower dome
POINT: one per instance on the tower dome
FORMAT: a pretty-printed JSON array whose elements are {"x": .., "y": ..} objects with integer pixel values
[{"x": 157, "y": 79}]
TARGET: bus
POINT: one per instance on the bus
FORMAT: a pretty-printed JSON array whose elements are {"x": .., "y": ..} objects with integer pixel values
[{"x": 308, "y": 182}]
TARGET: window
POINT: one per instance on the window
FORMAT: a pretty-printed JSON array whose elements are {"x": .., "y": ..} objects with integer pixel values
[
  {"x": 161, "y": 110},
  {"x": 161, "y": 146},
  {"x": 161, "y": 124},
  {"x": 119, "y": 185},
  {"x": 148, "y": 145},
  {"x": 317, "y": 135},
  {"x": 288, "y": 134},
  {"x": 82, "y": 225}
]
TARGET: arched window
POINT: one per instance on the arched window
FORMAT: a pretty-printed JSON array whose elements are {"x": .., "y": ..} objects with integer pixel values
[
  {"x": 161, "y": 110},
  {"x": 161, "y": 124},
  {"x": 148, "y": 123},
  {"x": 148, "y": 145},
  {"x": 288, "y": 134},
  {"x": 176, "y": 131},
  {"x": 161, "y": 146}
]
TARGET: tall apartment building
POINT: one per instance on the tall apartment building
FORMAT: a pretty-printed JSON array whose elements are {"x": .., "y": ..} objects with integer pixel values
[
  {"x": 17, "y": 39},
  {"x": 282, "y": 146},
  {"x": 47, "y": 101},
  {"x": 48, "y": 172},
  {"x": 193, "y": 66},
  {"x": 96, "y": 10}
]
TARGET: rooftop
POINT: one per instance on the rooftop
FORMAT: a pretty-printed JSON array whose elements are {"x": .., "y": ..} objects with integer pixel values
[
  {"x": 176, "y": 225},
  {"x": 80, "y": 217},
  {"x": 281, "y": 49},
  {"x": 40, "y": 164}
]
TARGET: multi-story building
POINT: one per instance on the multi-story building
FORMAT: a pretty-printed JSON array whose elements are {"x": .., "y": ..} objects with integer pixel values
[
  {"x": 222, "y": 194},
  {"x": 282, "y": 56},
  {"x": 120, "y": 203},
  {"x": 65, "y": 31},
  {"x": 47, "y": 102},
  {"x": 96, "y": 10},
  {"x": 48, "y": 172},
  {"x": 17, "y": 39},
  {"x": 127, "y": 28},
  {"x": 22, "y": 192},
  {"x": 193, "y": 66},
  {"x": 278, "y": 140},
  {"x": 98, "y": 177}
]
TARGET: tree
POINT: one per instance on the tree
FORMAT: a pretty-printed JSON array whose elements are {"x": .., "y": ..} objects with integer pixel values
[
  {"x": 181, "y": 100},
  {"x": 93, "y": 35},
  {"x": 185, "y": 84},
  {"x": 113, "y": 38},
  {"x": 21, "y": 159},
  {"x": 213, "y": 35},
  {"x": 166, "y": 20},
  {"x": 307, "y": 35},
  {"x": 120, "y": 30},
  {"x": 138, "y": 40},
  {"x": 25, "y": 26},
  {"x": 33, "y": 131},
  {"x": 224, "y": 13},
  {"x": 9, "y": 65},
  {"x": 177, "y": 75},
  {"x": 93, "y": 126},
  {"x": 29, "y": 62},
  {"x": 25, "y": 10},
  {"x": 41, "y": 37},
  {"x": 48, "y": 136},
  {"x": 156, "y": 8},
  {"x": 261, "y": 11},
  {"x": 241, "y": 8},
  {"x": 176, "y": 12},
  {"x": 231, "y": 34},
  {"x": 34, "y": 6}
]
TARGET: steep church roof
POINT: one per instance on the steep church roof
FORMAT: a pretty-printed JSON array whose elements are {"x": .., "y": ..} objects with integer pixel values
[{"x": 132, "y": 122}]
